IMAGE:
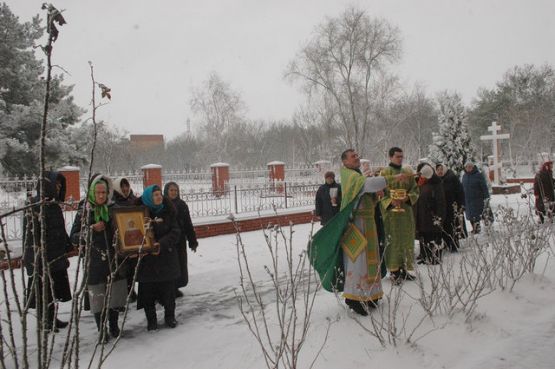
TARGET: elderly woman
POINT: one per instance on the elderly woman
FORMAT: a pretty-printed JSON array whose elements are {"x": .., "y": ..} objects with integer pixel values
[
  {"x": 188, "y": 235},
  {"x": 157, "y": 273},
  {"x": 106, "y": 283},
  {"x": 430, "y": 215},
  {"x": 124, "y": 196},
  {"x": 476, "y": 193}
]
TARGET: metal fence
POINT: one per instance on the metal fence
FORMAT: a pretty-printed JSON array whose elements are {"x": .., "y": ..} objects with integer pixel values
[
  {"x": 207, "y": 204},
  {"x": 237, "y": 200}
]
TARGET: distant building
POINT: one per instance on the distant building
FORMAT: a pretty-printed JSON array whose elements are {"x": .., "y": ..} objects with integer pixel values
[{"x": 140, "y": 144}]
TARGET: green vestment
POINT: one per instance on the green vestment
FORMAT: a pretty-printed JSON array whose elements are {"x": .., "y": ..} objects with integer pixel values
[
  {"x": 345, "y": 251},
  {"x": 399, "y": 226}
]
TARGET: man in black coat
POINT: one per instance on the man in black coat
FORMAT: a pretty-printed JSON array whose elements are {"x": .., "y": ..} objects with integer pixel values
[
  {"x": 57, "y": 245},
  {"x": 544, "y": 191},
  {"x": 328, "y": 199},
  {"x": 454, "y": 227}
]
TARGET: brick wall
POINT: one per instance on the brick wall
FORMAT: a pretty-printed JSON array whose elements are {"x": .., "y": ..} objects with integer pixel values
[{"x": 254, "y": 224}]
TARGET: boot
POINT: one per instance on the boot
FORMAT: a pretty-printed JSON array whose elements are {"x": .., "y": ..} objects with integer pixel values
[
  {"x": 357, "y": 306},
  {"x": 396, "y": 277},
  {"x": 151, "y": 320},
  {"x": 372, "y": 304},
  {"x": 113, "y": 316},
  {"x": 102, "y": 332},
  {"x": 60, "y": 324},
  {"x": 406, "y": 276},
  {"x": 169, "y": 319}
]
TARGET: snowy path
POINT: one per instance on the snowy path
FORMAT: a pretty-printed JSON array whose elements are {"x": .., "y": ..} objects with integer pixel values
[{"x": 513, "y": 330}]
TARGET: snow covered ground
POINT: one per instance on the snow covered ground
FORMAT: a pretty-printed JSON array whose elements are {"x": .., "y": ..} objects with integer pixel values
[{"x": 508, "y": 330}]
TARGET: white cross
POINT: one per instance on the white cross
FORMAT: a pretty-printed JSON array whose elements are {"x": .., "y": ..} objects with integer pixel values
[{"x": 494, "y": 137}]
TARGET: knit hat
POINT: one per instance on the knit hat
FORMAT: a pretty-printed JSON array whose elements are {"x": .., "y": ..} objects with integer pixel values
[{"x": 329, "y": 174}]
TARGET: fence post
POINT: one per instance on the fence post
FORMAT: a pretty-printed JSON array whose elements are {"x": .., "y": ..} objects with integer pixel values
[
  {"x": 277, "y": 174},
  {"x": 152, "y": 175},
  {"x": 285, "y": 192},
  {"x": 220, "y": 178},
  {"x": 235, "y": 190}
]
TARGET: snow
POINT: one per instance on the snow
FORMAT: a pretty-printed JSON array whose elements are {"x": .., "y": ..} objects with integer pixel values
[{"x": 509, "y": 329}]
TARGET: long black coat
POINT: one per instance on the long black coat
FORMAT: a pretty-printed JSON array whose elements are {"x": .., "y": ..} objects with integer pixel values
[
  {"x": 475, "y": 193},
  {"x": 430, "y": 208},
  {"x": 164, "y": 266},
  {"x": 324, "y": 208},
  {"x": 544, "y": 189},
  {"x": 102, "y": 254},
  {"x": 57, "y": 240},
  {"x": 188, "y": 236},
  {"x": 454, "y": 203}
]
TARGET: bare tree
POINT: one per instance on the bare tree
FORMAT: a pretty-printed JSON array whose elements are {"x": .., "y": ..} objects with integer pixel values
[
  {"x": 346, "y": 60},
  {"x": 219, "y": 109}
]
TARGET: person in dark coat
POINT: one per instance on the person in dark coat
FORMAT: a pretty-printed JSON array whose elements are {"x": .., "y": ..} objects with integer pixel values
[
  {"x": 475, "y": 195},
  {"x": 57, "y": 245},
  {"x": 106, "y": 284},
  {"x": 157, "y": 273},
  {"x": 123, "y": 193},
  {"x": 123, "y": 197},
  {"x": 188, "y": 235},
  {"x": 326, "y": 205},
  {"x": 454, "y": 227},
  {"x": 544, "y": 191},
  {"x": 430, "y": 215}
]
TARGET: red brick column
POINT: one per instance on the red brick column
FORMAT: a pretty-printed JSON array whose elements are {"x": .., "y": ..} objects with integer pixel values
[
  {"x": 277, "y": 174},
  {"x": 152, "y": 175},
  {"x": 73, "y": 190},
  {"x": 220, "y": 178}
]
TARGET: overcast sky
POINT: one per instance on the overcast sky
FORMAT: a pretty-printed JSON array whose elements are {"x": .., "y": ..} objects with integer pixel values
[{"x": 152, "y": 53}]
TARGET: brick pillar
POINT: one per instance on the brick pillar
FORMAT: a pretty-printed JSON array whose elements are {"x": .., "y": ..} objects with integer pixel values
[
  {"x": 152, "y": 175},
  {"x": 220, "y": 178},
  {"x": 277, "y": 174},
  {"x": 73, "y": 190}
]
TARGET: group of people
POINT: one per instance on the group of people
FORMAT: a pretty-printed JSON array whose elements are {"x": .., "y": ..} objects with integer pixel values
[
  {"x": 372, "y": 219},
  {"x": 109, "y": 276}
]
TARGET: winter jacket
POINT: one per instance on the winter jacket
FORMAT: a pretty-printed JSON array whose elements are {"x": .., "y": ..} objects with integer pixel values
[
  {"x": 165, "y": 265},
  {"x": 544, "y": 189},
  {"x": 475, "y": 194},
  {"x": 103, "y": 257},
  {"x": 57, "y": 240},
  {"x": 454, "y": 197},
  {"x": 431, "y": 208},
  {"x": 188, "y": 234},
  {"x": 324, "y": 208}
]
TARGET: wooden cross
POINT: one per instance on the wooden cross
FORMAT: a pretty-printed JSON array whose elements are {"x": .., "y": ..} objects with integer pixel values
[{"x": 495, "y": 137}]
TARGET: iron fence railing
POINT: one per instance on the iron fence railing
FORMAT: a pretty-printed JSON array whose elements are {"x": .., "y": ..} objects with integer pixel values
[{"x": 209, "y": 204}]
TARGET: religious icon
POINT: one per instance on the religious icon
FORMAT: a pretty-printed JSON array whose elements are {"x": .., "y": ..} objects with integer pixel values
[{"x": 134, "y": 231}]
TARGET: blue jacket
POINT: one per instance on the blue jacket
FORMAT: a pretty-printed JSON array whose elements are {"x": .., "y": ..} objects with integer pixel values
[{"x": 475, "y": 193}]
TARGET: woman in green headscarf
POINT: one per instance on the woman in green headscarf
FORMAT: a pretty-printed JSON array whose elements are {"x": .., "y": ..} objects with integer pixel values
[{"x": 106, "y": 282}]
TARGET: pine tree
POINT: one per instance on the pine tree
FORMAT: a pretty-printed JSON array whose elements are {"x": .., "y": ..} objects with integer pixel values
[
  {"x": 452, "y": 145},
  {"x": 22, "y": 89}
]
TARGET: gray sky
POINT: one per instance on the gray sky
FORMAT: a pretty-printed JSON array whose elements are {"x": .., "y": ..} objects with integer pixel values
[{"x": 152, "y": 53}]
